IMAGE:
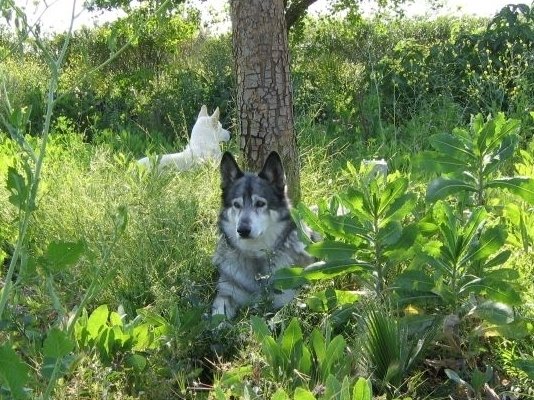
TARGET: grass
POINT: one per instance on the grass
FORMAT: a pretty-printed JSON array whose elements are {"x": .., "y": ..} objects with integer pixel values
[{"x": 162, "y": 263}]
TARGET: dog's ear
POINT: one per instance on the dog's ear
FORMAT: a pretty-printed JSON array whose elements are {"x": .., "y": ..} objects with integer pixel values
[
  {"x": 273, "y": 171},
  {"x": 215, "y": 116},
  {"x": 229, "y": 170},
  {"x": 203, "y": 111}
]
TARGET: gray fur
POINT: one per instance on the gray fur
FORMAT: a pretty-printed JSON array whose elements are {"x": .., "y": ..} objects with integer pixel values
[{"x": 258, "y": 236}]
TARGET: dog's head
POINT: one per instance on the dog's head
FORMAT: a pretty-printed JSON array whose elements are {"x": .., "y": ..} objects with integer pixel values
[
  {"x": 208, "y": 131},
  {"x": 255, "y": 206}
]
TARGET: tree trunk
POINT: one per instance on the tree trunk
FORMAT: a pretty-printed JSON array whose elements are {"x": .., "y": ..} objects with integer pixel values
[{"x": 264, "y": 92}]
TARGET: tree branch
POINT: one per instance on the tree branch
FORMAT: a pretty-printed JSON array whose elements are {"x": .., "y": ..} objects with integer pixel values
[{"x": 296, "y": 11}]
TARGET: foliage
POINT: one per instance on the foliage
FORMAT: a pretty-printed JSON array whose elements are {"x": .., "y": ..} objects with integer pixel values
[{"x": 470, "y": 161}]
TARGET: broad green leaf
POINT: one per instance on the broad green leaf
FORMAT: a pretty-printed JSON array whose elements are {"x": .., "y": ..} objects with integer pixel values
[
  {"x": 434, "y": 162},
  {"x": 402, "y": 249},
  {"x": 97, "y": 321},
  {"x": 504, "y": 153},
  {"x": 16, "y": 184},
  {"x": 494, "y": 312},
  {"x": 526, "y": 365},
  {"x": 355, "y": 201},
  {"x": 499, "y": 259},
  {"x": 490, "y": 242},
  {"x": 273, "y": 353},
  {"x": 60, "y": 255},
  {"x": 318, "y": 346},
  {"x": 362, "y": 390},
  {"x": 327, "y": 270},
  {"x": 503, "y": 128},
  {"x": 521, "y": 186},
  {"x": 259, "y": 327},
  {"x": 288, "y": 278},
  {"x": 499, "y": 291},
  {"x": 452, "y": 147},
  {"x": 280, "y": 394},
  {"x": 13, "y": 372},
  {"x": 333, "y": 387},
  {"x": 479, "y": 378},
  {"x": 142, "y": 337},
  {"x": 504, "y": 274},
  {"x": 390, "y": 234},
  {"x": 440, "y": 188},
  {"x": 57, "y": 344},
  {"x": 303, "y": 394},
  {"x": 136, "y": 361},
  {"x": 291, "y": 338},
  {"x": 393, "y": 191},
  {"x": 335, "y": 351},
  {"x": 414, "y": 280},
  {"x": 331, "y": 250},
  {"x": 400, "y": 208}
]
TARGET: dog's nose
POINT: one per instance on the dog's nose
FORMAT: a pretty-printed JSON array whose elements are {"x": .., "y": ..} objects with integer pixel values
[{"x": 243, "y": 231}]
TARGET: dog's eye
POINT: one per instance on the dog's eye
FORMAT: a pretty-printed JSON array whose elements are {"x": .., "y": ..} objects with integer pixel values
[
  {"x": 236, "y": 204},
  {"x": 259, "y": 204}
]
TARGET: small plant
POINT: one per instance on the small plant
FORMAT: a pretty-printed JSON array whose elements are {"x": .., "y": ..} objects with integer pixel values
[
  {"x": 364, "y": 231},
  {"x": 471, "y": 161},
  {"x": 389, "y": 351},
  {"x": 466, "y": 259}
]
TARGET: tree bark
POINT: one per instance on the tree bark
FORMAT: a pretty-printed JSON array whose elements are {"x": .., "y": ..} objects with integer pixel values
[{"x": 264, "y": 90}]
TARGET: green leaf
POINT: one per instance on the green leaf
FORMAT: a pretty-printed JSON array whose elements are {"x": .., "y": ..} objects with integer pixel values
[
  {"x": 332, "y": 388},
  {"x": 303, "y": 394},
  {"x": 318, "y": 346},
  {"x": 291, "y": 338},
  {"x": 526, "y": 365},
  {"x": 57, "y": 344},
  {"x": 400, "y": 208},
  {"x": 499, "y": 259},
  {"x": 390, "y": 234},
  {"x": 496, "y": 290},
  {"x": 494, "y": 312},
  {"x": 288, "y": 278},
  {"x": 16, "y": 184},
  {"x": 136, "y": 361},
  {"x": 280, "y": 394},
  {"x": 13, "y": 372},
  {"x": 60, "y": 254},
  {"x": 414, "y": 280},
  {"x": 142, "y": 337},
  {"x": 504, "y": 153},
  {"x": 490, "y": 242},
  {"x": 440, "y": 188},
  {"x": 394, "y": 190},
  {"x": 452, "y": 147},
  {"x": 362, "y": 390},
  {"x": 521, "y": 186},
  {"x": 332, "y": 250},
  {"x": 327, "y": 270},
  {"x": 260, "y": 328},
  {"x": 335, "y": 351},
  {"x": 434, "y": 162},
  {"x": 97, "y": 321},
  {"x": 479, "y": 378}
]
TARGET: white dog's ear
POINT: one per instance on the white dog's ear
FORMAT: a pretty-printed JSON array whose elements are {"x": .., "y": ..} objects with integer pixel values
[
  {"x": 215, "y": 115},
  {"x": 230, "y": 171},
  {"x": 273, "y": 171},
  {"x": 203, "y": 111}
]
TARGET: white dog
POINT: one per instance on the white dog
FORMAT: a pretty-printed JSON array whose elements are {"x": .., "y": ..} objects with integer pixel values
[{"x": 203, "y": 144}]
